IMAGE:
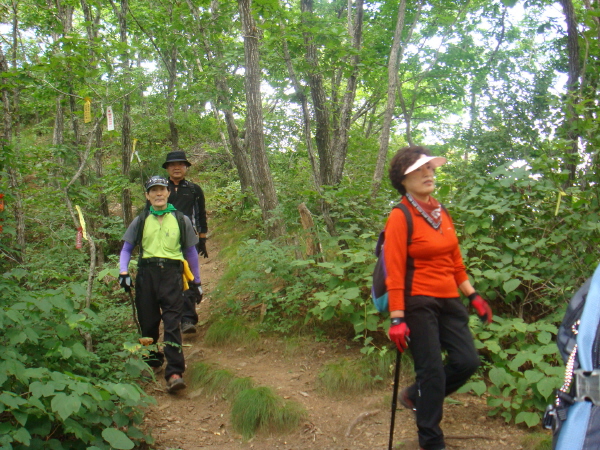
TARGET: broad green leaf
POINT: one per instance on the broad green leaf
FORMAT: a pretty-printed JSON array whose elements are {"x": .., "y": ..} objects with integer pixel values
[
  {"x": 544, "y": 337},
  {"x": 39, "y": 389},
  {"x": 127, "y": 391},
  {"x": 511, "y": 285},
  {"x": 65, "y": 405},
  {"x": 352, "y": 293},
  {"x": 547, "y": 385},
  {"x": 530, "y": 418},
  {"x": 65, "y": 352},
  {"x": 117, "y": 439},
  {"x": 533, "y": 376},
  {"x": 22, "y": 436},
  {"x": 20, "y": 416},
  {"x": 497, "y": 376},
  {"x": 479, "y": 387},
  {"x": 11, "y": 400}
]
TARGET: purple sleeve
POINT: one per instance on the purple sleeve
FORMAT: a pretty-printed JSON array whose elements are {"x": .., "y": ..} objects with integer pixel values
[
  {"x": 191, "y": 256},
  {"x": 125, "y": 257}
]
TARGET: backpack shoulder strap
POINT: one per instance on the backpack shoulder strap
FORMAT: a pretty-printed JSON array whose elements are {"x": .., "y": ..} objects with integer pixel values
[
  {"x": 410, "y": 262},
  {"x": 140, "y": 229},
  {"x": 182, "y": 234},
  {"x": 409, "y": 221}
]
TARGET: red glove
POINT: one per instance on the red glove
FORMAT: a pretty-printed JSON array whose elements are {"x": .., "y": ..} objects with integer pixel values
[
  {"x": 399, "y": 333},
  {"x": 481, "y": 306}
]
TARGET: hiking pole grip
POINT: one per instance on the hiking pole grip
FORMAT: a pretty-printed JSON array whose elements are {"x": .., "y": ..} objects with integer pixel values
[{"x": 394, "y": 397}]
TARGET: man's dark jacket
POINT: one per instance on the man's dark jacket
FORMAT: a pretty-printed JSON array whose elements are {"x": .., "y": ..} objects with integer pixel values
[{"x": 188, "y": 198}]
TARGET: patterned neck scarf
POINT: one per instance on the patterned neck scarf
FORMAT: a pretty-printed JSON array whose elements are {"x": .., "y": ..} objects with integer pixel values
[
  {"x": 432, "y": 212},
  {"x": 161, "y": 212}
]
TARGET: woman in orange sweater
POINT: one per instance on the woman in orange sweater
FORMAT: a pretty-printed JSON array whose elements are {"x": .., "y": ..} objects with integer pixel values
[{"x": 423, "y": 280}]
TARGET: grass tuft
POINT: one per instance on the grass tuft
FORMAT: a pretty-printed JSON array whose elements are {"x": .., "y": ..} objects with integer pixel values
[
  {"x": 259, "y": 409},
  {"x": 230, "y": 332},
  {"x": 217, "y": 381},
  {"x": 537, "y": 441},
  {"x": 358, "y": 375}
]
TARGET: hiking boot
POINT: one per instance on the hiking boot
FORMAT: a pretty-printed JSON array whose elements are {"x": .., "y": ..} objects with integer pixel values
[
  {"x": 406, "y": 401},
  {"x": 188, "y": 328},
  {"x": 175, "y": 384}
]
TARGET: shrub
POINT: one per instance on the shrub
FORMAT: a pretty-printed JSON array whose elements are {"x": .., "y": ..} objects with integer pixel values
[
  {"x": 524, "y": 368},
  {"x": 50, "y": 394}
]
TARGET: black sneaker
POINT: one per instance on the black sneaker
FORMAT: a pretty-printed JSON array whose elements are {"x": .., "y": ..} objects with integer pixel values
[
  {"x": 406, "y": 401},
  {"x": 188, "y": 328},
  {"x": 175, "y": 384}
]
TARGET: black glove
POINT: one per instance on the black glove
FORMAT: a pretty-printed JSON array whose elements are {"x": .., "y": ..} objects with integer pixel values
[
  {"x": 125, "y": 281},
  {"x": 196, "y": 291},
  {"x": 201, "y": 247}
]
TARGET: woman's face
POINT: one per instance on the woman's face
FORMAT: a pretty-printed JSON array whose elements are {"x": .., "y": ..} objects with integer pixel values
[{"x": 420, "y": 183}]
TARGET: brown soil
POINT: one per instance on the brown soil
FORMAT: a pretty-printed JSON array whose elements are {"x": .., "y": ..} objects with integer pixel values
[{"x": 190, "y": 420}]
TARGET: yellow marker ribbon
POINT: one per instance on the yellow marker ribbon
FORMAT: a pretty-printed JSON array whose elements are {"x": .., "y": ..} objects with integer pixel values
[
  {"x": 87, "y": 110},
  {"x": 81, "y": 222},
  {"x": 558, "y": 200}
]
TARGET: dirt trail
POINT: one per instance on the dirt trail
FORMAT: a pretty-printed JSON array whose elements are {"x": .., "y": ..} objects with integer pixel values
[{"x": 190, "y": 420}]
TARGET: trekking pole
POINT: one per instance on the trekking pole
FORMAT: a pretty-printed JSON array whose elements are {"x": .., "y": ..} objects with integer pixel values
[
  {"x": 395, "y": 397},
  {"x": 134, "y": 312}
]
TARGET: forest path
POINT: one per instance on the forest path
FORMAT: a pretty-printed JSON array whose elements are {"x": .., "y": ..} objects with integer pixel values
[{"x": 190, "y": 420}]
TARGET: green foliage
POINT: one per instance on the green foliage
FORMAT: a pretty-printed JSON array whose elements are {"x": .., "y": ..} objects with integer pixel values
[
  {"x": 353, "y": 376},
  {"x": 260, "y": 409},
  {"x": 523, "y": 368},
  {"x": 50, "y": 383},
  {"x": 526, "y": 252}
]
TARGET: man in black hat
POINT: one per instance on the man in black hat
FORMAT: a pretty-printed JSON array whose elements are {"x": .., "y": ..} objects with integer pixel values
[{"x": 188, "y": 198}]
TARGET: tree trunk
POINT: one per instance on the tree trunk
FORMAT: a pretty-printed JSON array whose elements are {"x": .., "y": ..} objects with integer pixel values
[
  {"x": 172, "y": 69},
  {"x": 324, "y": 207},
  {"x": 340, "y": 148},
  {"x": 393, "y": 63},
  {"x": 263, "y": 182},
  {"x": 92, "y": 22},
  {"x": 59, "y": 125},
  {"x": 240, "y": 157},
  {"x": 572, "y": 88},
  {"x": 319, "y": 98},
  {"x": 13, "y": 176},
  {"x": 313, "y": 246},
  {"x": 126, "y": 203}
]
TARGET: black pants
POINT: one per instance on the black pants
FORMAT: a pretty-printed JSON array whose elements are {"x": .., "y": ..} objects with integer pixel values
[
  {"x": 189, "y": 308},
  {"x": 159, "y": 297},
  {"x": 438, "y": 324}
]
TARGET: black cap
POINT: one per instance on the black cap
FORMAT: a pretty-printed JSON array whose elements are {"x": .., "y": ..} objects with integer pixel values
[
  {"x": 174, "y": 157},
  {"x": 156, "y": 180}
]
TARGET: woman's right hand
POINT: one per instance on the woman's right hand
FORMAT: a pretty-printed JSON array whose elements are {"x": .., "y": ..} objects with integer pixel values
[{"x": 399, "y": 333}]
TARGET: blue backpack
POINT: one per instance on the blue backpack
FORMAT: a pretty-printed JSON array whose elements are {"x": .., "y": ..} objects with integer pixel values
[
  {"x": 575, "y": 415},
  {"x": 379, "y": 292}
]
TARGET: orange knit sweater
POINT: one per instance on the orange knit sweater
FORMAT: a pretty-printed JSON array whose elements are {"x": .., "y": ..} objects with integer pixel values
[{"x": 438, "y": 264}]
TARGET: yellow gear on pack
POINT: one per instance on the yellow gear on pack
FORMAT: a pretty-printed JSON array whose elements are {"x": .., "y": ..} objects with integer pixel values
[{"x": 187, "y": 275}]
